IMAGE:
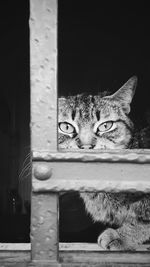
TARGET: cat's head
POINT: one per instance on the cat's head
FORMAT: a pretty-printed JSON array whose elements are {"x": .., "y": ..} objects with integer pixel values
[{"x": 98, "y": 121}]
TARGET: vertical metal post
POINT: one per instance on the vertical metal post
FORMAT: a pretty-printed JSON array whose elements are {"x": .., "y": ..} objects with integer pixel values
[
  {"x": 44, "y": 238},
  {"x": 43, "y": 54}
]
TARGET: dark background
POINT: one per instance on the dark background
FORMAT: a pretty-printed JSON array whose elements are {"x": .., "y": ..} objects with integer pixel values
[
  {"x": 101, "y": 45},
  {"x": 14, "y": 120}
]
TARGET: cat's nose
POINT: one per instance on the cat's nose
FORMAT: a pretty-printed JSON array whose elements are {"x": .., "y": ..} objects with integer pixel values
[{"x": 87, "y": 146}]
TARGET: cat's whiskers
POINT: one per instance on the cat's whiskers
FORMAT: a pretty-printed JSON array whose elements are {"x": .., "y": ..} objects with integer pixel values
[{"x": 26, "y": 168}]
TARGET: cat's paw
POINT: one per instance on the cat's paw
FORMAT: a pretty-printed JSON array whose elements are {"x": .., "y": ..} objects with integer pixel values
[{"x": 110, "y": 240}]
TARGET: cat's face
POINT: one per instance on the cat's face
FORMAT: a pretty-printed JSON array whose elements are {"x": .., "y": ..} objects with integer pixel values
[{"x": 96, "y": 122}]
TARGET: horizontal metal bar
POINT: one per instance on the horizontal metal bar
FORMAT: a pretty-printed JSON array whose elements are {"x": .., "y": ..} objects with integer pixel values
[
  {"x": 15, "y": 247},
  {"x": 91, "y": 186},
  {"x": 93, "y": 247},
  {"x": 104, "y": 259},
  {"x": 133, "y": 156},
  {"x": 26, "y": 247},
  {"x": 75, "y": 254},
  {"x": 90, "y": 176}
]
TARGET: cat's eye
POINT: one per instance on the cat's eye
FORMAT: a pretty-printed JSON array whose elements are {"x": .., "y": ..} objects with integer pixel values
[
  {"x": 66, "y": 127},
  {"x": 105, "y": 126}
]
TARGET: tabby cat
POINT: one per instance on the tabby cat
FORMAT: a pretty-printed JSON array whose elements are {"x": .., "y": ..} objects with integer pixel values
[{"x": 102, "y": 122}]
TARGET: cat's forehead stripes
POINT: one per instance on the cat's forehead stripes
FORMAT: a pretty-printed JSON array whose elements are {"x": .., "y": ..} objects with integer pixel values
[
  {"x": 80, "y": 106},
  {"x": 97, "y": 113},
  {"x": 87, "y": 108}
]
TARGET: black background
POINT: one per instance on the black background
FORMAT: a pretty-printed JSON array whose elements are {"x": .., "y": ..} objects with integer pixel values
[{"x": 101, "y": 45}]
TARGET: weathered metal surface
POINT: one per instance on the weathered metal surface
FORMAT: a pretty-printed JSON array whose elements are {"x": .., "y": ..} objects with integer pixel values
[
  {"x": 43, "y": 51},
  {"x": 44, "y": 225},
  {"x": 25, "y": 247},
  {"x": 13, "y": 264},
  {"x": 103, "y": 258},
  {"x": 133, "y": 156},
  {"x": 94, "y": 176},
  {"x": 104, "y": 264},
  {"x": 14, "y": 256},
  {"x": 90, "y": 247},
  {"x": 79, "y": 264},
  {"x": 76, "y": 254},
  {"x": 44, "y": 264}
]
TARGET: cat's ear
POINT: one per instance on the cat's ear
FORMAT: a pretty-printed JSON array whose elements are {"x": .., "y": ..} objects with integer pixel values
[{"x": 125, "y": 94}]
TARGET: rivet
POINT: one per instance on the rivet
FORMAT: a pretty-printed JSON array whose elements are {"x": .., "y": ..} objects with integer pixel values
[{"x": 42, "y": 171}]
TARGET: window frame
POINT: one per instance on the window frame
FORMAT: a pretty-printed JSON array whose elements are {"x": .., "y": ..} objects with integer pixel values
[{"x": 49, "y": 165}]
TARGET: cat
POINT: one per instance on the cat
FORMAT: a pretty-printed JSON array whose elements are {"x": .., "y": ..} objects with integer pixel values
[{"x": 102, "y": 122}]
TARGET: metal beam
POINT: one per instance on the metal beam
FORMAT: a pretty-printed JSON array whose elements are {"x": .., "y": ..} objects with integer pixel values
[{"x": 90, "y": 176}]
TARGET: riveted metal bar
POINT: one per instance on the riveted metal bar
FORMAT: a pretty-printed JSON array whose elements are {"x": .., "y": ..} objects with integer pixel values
[
  {"x": 43, "y": 47},
  {"x": 140, "y": 156},
  {"x": 43, "y": 51},
  {"x": 44, "y": 238},
  {"x": 91, "y": 176}
]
